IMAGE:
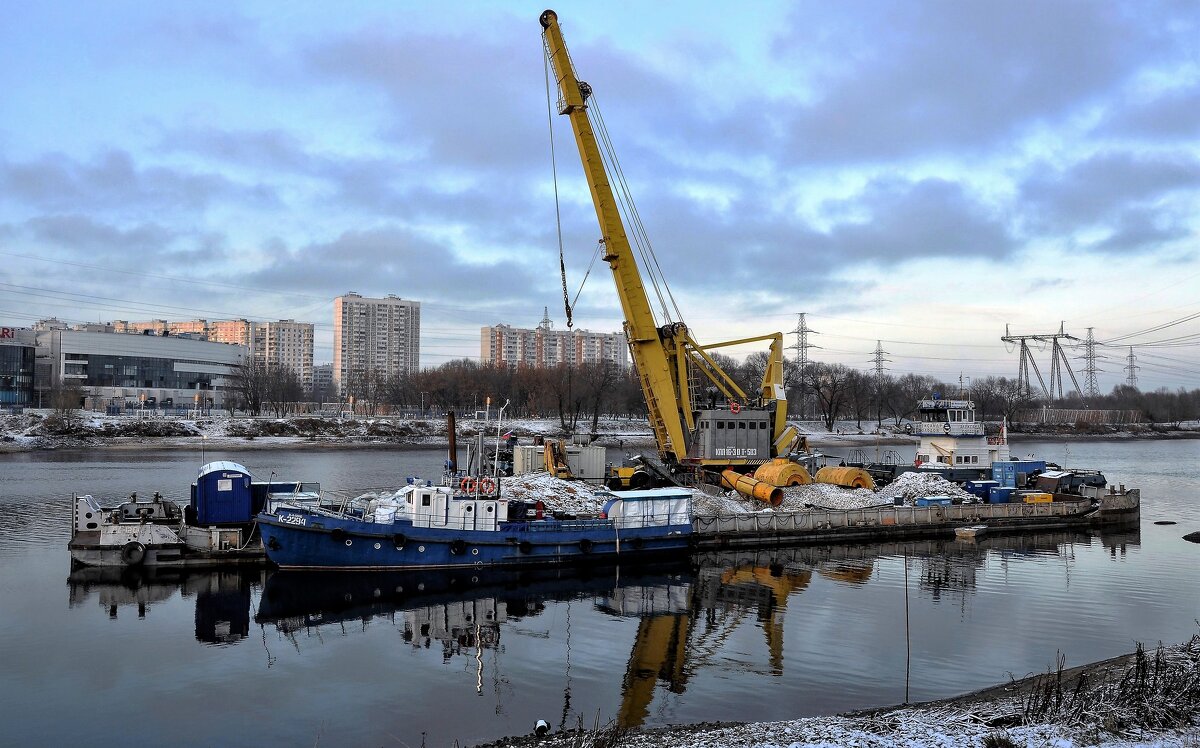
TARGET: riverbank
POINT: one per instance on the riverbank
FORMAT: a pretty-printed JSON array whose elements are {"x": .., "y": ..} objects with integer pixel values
[
  {"x": 36, "y": 432},
  {"x": 1139, "y": 699}
]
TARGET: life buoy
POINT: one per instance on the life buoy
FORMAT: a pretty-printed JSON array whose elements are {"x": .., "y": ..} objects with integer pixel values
[
  {"x": 538, "y": 509},
  {"x": 946, "y": 427},
  {"x": 487, "y": 485},
  {"x": 133, "y": 553},
  {"x": 734, "y": 407},
  {"x": 908, "y": 428},
  {"x": 585, "y": 545},
  {"x": 464, "y": 485},
  {"x": 458, "y": 547}
]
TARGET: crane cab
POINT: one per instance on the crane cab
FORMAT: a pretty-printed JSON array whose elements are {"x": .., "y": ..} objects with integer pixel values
[{"x": 723, "y": 435}]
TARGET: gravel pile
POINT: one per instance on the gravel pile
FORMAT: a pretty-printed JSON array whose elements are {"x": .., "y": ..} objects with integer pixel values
[
  {"x": 574, "y": 497},
  {"x": 915, "y": 485}
]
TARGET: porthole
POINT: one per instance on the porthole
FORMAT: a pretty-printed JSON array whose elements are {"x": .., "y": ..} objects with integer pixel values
[
  {"x": 378, "y": 546},
  {"x": 349, "y": 542},
  {"x": 420, "y": 549},
  {"x": 474, "y": 551}
]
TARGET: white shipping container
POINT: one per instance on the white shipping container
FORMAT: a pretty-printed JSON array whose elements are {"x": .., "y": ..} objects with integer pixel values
[{"x": 586, "y": 463}]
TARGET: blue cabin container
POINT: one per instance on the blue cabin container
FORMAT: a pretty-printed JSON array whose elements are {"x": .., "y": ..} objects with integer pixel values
[
  {"x": 1000, "y": 495},
  {"x": 221, "y": 495},
  {"x": 934, "y": 501},
  {"x": 981, "y": 488}
]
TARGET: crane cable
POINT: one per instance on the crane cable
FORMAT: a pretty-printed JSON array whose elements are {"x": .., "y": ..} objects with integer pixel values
[{"x": 562, "y": 263}]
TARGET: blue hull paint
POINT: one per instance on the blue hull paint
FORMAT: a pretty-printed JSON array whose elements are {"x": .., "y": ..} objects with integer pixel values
[{"x": 325, "y": 542}]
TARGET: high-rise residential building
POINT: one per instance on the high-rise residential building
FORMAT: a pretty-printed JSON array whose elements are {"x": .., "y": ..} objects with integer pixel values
[
  {"x": 374, "y": 335},
  {"x": 545, "y": 346},
  {"x": 287, "y": 343},
  {"x": 322, "y": 378}
]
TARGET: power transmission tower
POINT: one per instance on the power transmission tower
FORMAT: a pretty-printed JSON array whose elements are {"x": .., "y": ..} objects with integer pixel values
[
  {"x": 1131, "y": 367},
  {"x": 1058, "y": 361},
  {"x": 879, "y": 372},
  {"x": 1026, "y": 362},
  {"x": 1091, "y": 385},
  {"x": 801, "y": 347}
]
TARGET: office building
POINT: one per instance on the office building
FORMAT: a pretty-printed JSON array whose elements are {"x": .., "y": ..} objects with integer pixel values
[
  {"x": 18, "y": 348},
  {"x": 374, "y": 335},
  {"x": 114, "y": 368}
]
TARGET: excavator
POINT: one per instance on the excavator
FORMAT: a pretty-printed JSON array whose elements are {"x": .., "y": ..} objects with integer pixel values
[{"x": 747, "y": 432}]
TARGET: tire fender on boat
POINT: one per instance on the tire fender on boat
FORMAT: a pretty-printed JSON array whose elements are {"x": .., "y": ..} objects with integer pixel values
[
  {"x": 525, "y": 547},
  {"x": 133, "y": 553},
  {"x": 458, "y": 547},
  {"x": 585, "y": 545},
  {"x": 399, "y": 540}
]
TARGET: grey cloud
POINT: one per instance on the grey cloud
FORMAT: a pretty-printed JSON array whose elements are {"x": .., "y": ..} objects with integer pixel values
[
  {"x": 395, "y": 260},
  {"x": 113, "y": 181},
  {"x": 1173, "y": 114},
  {"x": 88, "y": 238},
  {"x": 938, "y": 77},
  {"x": 1092, "y": 190},
  {"x": 1140, "y": 230}
]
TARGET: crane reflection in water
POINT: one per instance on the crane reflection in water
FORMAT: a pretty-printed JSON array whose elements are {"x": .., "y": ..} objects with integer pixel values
[{"x": 685, "y": 613}]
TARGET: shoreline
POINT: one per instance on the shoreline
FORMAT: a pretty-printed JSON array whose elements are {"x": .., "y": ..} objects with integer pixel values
[{"x": 968, "y": 719}]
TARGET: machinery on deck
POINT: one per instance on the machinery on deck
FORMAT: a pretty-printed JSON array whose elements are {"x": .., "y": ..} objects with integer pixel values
[{"x": 747, "y": 430}]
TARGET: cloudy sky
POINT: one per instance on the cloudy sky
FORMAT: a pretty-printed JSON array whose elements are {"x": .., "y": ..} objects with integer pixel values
[{"x": 920, "y": 174}]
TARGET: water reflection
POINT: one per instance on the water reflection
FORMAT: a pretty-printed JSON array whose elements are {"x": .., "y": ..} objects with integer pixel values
[
  {"x": 715, "y": 618},
  {"x": 222, "y": 598}
]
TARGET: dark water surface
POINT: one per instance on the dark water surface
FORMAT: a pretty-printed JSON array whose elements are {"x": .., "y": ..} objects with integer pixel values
[{"x": 392, "y": 659}]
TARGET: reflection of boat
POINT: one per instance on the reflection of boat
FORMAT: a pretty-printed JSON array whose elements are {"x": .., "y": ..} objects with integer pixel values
[
  {"x": 216, "y": 528},
  {"x": 427, "y": 526},
  {"x": 222, "y": 598}
]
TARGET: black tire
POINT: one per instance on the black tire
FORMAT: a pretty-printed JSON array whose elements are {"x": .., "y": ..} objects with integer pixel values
[
  {"x": 585, "y": 545},
  {"x": 614, "y": 483},
  {"x": 338, "y": 535},
  {"x": 458, "y": 547},
  {"x": 639, "y": 480},
  {"x": 636, "y": 544},
  {"x": 525, "y": 547},
  {"x": 133, "y": 553},
  {"x": 399, "y": 541}
]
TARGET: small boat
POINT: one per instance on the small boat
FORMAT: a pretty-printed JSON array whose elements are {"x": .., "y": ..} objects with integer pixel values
[
  {"x": 970, "y": 532},
  {"x": 423, "y": 526},
  {"x": 217, "y": 526}
]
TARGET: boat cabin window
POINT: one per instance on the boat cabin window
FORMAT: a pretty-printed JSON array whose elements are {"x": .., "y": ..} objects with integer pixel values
[
  {"x": 753, "y": 425},
  {"x": 742, "y": 425},
  {"x": 720, "y": 424},
  {"x": 425, "y": 499}
]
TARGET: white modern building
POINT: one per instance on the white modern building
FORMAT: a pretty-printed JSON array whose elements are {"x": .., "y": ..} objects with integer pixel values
[
  {"x": 380, "y": 336},
  {"x": 114, "y": 368}
]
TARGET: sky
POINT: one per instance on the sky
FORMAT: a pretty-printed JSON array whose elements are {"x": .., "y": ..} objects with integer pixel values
[{"x": 921, "y": 175}]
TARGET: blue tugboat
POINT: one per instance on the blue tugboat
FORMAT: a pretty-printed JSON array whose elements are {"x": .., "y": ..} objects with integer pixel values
[{"x": 424, "y": 526}]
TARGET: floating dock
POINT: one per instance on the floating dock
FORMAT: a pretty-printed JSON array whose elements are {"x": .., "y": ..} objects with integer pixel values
[{"x": 1116, "y": 507}]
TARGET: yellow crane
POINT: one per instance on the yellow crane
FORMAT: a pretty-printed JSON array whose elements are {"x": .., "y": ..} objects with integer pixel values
[{"x": 749, "y": 431}]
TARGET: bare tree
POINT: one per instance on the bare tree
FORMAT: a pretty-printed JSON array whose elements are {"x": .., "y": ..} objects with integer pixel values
[
  {"x": 828, "y": 383},
  {"x": 282, "y": 389},
  {"x": 249, "y": 380}
]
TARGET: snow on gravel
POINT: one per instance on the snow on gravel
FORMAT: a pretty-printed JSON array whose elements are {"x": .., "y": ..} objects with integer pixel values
[
  {"x": 574, "y": 497},
  {"x": 915, "y": 485},
  {"x": 903, "y": 727}
]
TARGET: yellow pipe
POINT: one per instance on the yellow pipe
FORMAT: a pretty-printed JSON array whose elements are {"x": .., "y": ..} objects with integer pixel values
[{"x": 755, "y": 489}]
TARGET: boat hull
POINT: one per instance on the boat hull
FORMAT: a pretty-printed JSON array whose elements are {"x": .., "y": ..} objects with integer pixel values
[{"x": 305, "y": 541}]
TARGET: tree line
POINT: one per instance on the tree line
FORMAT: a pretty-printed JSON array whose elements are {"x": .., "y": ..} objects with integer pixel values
[{"x": 824, "y": 392}]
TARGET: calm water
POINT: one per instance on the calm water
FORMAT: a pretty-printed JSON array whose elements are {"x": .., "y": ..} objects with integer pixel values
[{"x": 286, "y": 658}]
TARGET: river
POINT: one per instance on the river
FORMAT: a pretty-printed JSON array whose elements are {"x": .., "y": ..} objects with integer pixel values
[{"x": 254, "y": 658}]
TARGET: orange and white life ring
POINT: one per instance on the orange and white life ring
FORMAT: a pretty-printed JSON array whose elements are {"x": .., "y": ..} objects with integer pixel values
[
  {"x": 486, "y": 485},
  {"x": 464, "y": 485},
  {"x": 734, "y": 407}
]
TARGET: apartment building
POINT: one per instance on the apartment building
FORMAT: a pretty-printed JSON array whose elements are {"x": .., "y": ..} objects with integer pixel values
[
  {"x": 380, "y": 335},
  {"x": 545, "y": 346}
]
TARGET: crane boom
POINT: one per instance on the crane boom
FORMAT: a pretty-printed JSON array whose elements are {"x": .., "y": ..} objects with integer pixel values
[
  {"x": 645, "y": 341},
  {"x": 667, "y": 357}
]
